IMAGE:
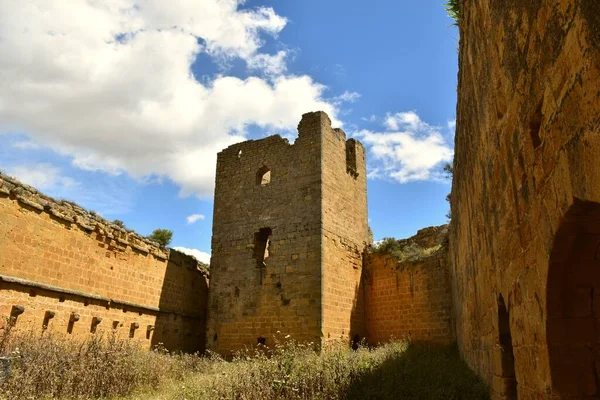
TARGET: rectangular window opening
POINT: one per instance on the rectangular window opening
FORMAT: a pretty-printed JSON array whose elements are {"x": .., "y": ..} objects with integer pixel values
[{"x": 261, "y": 246}]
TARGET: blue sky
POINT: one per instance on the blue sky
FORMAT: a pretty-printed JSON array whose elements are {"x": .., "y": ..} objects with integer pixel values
[{"x": 122, "y": 108}]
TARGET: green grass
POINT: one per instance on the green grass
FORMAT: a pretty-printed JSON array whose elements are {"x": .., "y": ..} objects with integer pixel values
[
  {"x": 395, "y": 370},
  {"x": 453, "y": 10},
  {"x": 422, "y": 372},
  {"x": 55, "y": 367},
  {"x": 404, "y": 250}
]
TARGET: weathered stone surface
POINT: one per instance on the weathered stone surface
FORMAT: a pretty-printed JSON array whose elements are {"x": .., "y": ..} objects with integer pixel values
[
  {"x": 48, "y": 264},
  {"x": 527, "y": 163},
  {"x": 30, "y": 203},
  {"x": 312, "y": 209},
  {"x": 412, "y": 298}
]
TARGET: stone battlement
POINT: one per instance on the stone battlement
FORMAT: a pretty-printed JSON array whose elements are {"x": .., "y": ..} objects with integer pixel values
[
  {"x": 289, "y": 254},
  {"x": 70, "y": 213},
  {"x": 289, "y": 230},
  {"x": 306, "y": 131},
  {"x": 65, "y": 269}
]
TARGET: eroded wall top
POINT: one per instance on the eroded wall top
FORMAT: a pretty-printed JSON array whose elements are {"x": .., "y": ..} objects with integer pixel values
[{"x": 72, "y": 213}]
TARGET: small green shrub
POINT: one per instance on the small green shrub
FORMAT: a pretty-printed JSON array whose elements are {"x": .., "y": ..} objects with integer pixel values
[
  {"x": 453, "y": 10},
  {"x": 403, "y": 251},
  {"x": 448, "y": 171},
  {"x": 161, "y": 236}
]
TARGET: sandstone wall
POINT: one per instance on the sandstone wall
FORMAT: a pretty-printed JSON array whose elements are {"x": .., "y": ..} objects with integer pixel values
[
  {"x": 313, "y": 212},
  {"x": 249, "y": 301},
  {"x": 345, "y": 235},
  {"x": 56, "y": 258},
  {"x": 410, "y": 298},
  {"x": 526, "y": 194}
]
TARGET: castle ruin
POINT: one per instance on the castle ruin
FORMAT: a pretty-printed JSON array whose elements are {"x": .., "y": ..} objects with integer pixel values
[
  {"x": 289, "y": 255},
  {"x": 64, "y": 270},
  {"x": 517, "y": 286},
  {"x": 289, "y": 232}
]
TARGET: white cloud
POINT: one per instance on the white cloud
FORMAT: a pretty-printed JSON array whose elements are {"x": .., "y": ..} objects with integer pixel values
[
  {"x": 452, "y": 125},
  {"x": 377, "y": 243},
  {"x": 25, "y": 145},
  {"x": 347, "y": 97},
  {"x": 41, "y": 176},
  {"x": 102, "y": 194},
  {"x": 268, "y": 64},
  {"x": 409, "y": 120},
  {"x": 409, "y": 150},
  {"x": 110, "y": 83},
  {"x": 197, "y": 254},
  {"x": 194, "y": 218},
  {"x": 373, "y": 173}
]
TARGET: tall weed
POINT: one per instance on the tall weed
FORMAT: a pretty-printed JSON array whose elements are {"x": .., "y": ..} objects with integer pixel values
[
  {"x": 47, "y": 366},
  {"x": 99, "y": 367}
]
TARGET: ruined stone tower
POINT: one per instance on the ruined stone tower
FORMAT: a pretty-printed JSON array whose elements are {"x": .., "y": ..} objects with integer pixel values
[{"x": 289, "y": 231}]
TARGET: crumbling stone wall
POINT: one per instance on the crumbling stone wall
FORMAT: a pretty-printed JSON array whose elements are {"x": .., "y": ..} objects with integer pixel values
[
  {"x": 526, "y": 194},
  {"x": 289, "y": 229},
  {"x": 65, "y": 270},
  {"x": 410, "y": 298}
]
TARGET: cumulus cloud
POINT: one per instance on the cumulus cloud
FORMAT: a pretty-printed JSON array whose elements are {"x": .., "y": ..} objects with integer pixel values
[
  {"x": 110, "y": 85},
  {"x": 370, "y": 118},
  {"x": 409, "y": 120},
  {"x": 197, "y": 254},
  {"x": 408, "y": 150},
  {"x": 105, "y": 195},
  {"x": 269, "y": 64},
  {"x": 25, "y": 145},
  {"x": 347, "y": 97},
  {"x": 194, "y": 218},
  {"x": 452, "y": 125},
  {"x": 41, "y": 176}
]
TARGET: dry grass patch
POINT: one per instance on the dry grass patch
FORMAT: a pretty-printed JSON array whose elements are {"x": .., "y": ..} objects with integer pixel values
[
  {"x": 55, "y": 367},
  {"x": 109, "y": 368}
]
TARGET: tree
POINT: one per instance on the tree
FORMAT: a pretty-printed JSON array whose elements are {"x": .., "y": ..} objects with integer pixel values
[
  {"x": 161, "y": 236},
  {"x": 448, "y": 170}
]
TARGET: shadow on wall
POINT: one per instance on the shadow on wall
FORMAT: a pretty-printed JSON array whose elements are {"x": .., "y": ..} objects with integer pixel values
[
  {"x": 507, "y": 378},
  {"x": 358, "y": 331},
  {"x": 573, "y": 302},
  {"x": 181, "y": 325},
  {"x": 409, "y": 298}
]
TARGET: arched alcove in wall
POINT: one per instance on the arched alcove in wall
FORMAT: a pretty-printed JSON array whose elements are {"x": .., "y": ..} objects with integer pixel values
[
  {"x": 263, "y": 176},
  {"x": 573, "y": 303},
  {"x": 506, "y": 347}
]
